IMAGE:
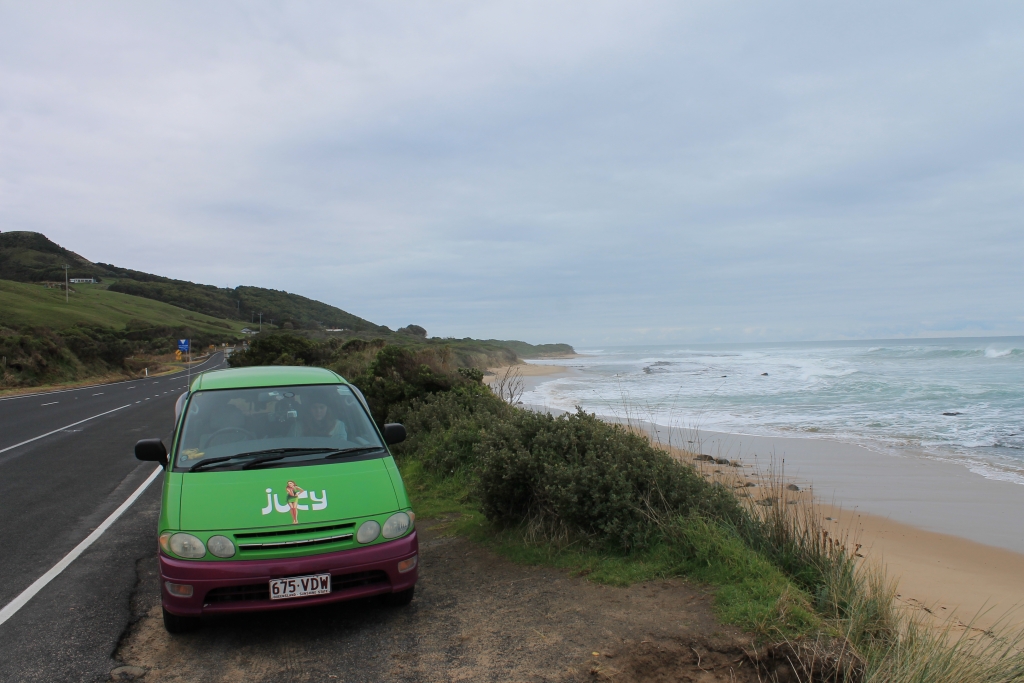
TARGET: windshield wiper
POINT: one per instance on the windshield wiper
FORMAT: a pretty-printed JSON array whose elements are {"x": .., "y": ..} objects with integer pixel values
[
  {"x": 275, "y": 454},
  {"x": 330, "y": 454},
  {"x": 353, "y": 451},
  {"x": 281, "y": 453},
  {"x": 285, "y": 451},
  {"x": 211, "y": 461}
]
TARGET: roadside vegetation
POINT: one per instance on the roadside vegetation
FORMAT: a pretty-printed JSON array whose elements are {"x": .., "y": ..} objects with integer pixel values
[
  {"x": 601, "y": 500},
  {"x": 37, "y": 356}
]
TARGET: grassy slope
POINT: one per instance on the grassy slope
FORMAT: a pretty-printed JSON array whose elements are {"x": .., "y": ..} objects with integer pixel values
[
  {"x": 26, "y": 304},
  {"x": 31, "y": 257}
]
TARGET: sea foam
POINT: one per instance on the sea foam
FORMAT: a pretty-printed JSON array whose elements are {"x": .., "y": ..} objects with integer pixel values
[{"x": 943, "y": 397}]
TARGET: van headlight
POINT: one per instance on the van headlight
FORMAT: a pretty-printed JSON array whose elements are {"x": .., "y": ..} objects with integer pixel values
[
  {"x": 396, "y": 525},
  {"x": 186, "y": 545},
  {"x": 368, "y": 531},
  {"x": 221, "y": 546}
]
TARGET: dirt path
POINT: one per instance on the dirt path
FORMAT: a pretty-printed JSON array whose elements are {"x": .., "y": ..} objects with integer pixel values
[{"x": 476, "y": 617}]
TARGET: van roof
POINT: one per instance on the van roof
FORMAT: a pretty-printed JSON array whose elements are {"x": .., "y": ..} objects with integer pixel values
[{"x": 269, "y": 376}]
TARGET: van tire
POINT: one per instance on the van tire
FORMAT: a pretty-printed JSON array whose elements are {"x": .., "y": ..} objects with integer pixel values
[
  {"x": 175, "y": 624},
  {"x": 401, "y": 598}
]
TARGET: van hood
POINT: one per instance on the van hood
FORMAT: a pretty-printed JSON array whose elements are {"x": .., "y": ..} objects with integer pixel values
[{"x": 247, "y": 499}]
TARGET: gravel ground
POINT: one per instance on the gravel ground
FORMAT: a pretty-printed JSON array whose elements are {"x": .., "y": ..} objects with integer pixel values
[{"x": 475, "y": 617}]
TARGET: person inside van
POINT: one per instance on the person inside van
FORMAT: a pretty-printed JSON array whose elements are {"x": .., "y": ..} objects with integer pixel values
[{"x": 319, "y": 420}]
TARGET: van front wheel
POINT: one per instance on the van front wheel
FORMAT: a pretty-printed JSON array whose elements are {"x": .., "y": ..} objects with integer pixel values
[
  {"x": 175, "y": 624},
  {"x": 401, "y": 598}
]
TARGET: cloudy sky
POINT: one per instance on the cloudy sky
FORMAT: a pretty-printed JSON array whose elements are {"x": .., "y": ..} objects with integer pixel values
[{"x": 592, "y": 173}]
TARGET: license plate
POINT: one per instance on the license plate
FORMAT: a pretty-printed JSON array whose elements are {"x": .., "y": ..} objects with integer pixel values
[{"x": 300, "y": 586}]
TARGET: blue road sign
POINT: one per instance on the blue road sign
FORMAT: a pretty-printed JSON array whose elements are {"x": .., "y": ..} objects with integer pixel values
[{"x": 183, "y": 345}]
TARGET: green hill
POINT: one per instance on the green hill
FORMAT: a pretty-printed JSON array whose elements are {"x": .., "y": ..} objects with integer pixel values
[
  {"x": 30, "y": 305},
  {"x": 524, "y": 350},
  {"x": 32, "y": 257}
]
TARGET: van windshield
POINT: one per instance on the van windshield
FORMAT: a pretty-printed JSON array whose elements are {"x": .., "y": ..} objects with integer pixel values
[{"x": 301, "y": 422}]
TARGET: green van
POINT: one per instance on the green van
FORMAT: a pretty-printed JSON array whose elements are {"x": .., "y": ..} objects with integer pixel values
[{"x": 279, "y": 491}]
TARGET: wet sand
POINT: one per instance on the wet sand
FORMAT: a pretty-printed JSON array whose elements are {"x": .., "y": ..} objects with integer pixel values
[
  {"x": 933, "y": 495},
  {"x": 947, "y": 575},
  {"x": 949, "y": 536}
]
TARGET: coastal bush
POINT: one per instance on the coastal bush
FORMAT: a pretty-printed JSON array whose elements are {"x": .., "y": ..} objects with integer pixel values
[
  {"x": 281, "y": 349},
  {"x": 398, "y": 375},
  {"x": 445, "y": 428},
  {"x": 576, "y": 475},
  {"x": 571, "y": 477}
]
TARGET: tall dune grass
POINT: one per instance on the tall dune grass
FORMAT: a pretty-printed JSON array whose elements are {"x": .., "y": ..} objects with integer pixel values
[{"x": 867, "y": 635}]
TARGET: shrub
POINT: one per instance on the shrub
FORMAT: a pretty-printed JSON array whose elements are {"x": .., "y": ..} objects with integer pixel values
[
  {"x": 280, "y": 349},
  {"x": 398, "y": 375},
  {"x": 445, "y": 428},
  {"x": 576, "y": 475}
]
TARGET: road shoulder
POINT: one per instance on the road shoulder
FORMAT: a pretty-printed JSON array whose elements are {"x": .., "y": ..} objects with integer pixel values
[{"x": 476, "y": 616}]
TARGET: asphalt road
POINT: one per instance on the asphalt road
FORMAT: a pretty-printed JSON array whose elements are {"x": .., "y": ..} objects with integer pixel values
[{"x": 54, "y": 491}]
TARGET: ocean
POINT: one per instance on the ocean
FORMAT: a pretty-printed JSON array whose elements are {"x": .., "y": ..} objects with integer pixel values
[{"x": 953, "y": 399}]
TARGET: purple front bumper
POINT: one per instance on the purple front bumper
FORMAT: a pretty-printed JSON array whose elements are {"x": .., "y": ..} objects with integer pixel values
[{"x": 243, "y": 585}]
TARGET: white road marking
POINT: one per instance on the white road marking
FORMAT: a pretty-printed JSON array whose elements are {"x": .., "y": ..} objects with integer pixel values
[
  {"x": 11, "y": 608},
  {"x": 99, "y": 394},
  {"x": 4, "y": 450},
  {"x": 51, "y": 404}
]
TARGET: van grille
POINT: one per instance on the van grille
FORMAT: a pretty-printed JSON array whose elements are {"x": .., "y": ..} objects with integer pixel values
[
  {"x": 295, "y": 543},
  {"x": 292, "y": 532}
]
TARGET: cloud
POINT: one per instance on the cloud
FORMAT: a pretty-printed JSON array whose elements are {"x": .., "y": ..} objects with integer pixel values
[{"x": 596, "y": 174}]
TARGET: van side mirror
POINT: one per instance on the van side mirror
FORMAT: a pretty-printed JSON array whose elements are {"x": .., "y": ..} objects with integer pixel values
[
  {"x": 394, "y": 433},
  {"x": 152, "y": 450}
]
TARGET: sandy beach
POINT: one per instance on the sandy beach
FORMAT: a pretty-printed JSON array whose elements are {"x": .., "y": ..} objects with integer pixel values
[
  {"x": 948, "y": 535},
  {"x": 941, "y": 573},
  {"x": 532, "y": 374}
]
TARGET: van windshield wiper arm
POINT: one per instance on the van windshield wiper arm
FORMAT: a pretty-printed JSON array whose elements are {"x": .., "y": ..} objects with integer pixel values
[
  {"x": 353, "y": 451},
  {"x": 284, "y": 451},
  {"x": 281, "y": 453},
  {"x": 210, "y": 461},
  {"x": 274, "y": 454},
  {"x": 330, "y": 454}
]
